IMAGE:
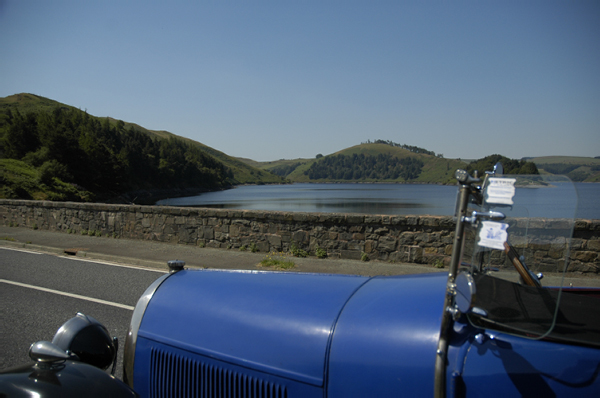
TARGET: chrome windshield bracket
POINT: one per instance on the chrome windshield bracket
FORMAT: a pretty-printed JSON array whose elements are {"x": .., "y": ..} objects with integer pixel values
[{"x": 487, "y": 215}]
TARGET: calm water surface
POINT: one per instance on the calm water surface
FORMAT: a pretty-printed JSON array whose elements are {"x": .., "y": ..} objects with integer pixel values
[{"x": 401, "y": 199}]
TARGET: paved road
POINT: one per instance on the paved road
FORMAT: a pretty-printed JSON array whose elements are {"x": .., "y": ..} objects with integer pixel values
[{"x": 28, "y": 313}]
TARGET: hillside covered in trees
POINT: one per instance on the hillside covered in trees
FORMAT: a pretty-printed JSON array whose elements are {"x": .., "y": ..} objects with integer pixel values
[
  {"x": 66, "y": 154},
  {"x": 511, "y": 166},
  {"x": 378, "y": 161},
  {"x": 576, "y": 168},
  {"x": 361, "y": 166},
  {"x": 387, "y": 161}
]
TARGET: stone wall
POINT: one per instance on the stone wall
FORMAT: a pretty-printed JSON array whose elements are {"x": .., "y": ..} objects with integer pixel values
[{"x": 411, "y": 239}]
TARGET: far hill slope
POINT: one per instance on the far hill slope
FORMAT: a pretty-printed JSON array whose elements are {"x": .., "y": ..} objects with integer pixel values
[
  {"x": 577, "y": 168},
  {"x": 386, "y": 161},
  {"x": 104, "y": 156},
  {"x": 242, "y": 172},
  {"x": 370, "y": 162}
]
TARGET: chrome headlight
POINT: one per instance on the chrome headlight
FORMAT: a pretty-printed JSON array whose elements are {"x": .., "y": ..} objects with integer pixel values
[{"x": 88, "y": 339}]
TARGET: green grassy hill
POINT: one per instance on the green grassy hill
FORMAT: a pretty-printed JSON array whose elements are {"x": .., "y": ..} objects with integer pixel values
[
  {"x": 583, "y": 169},
  {"x": 104, "y": 157},
  {"x": 21, "y": 180},
  {"x": 242, "y": 172},
  {"x": 433, "y": 169},
  {"x": 27, "y": 103}
]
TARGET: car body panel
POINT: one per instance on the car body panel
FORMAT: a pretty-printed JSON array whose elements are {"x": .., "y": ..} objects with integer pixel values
[
  {"x": 384, "y": 343},
  {"x": 65, "y": 379},
  {"x": 278, "y": 323},
  {"x": 330, "y": 335},
  {"x": 517, "y": 366}
]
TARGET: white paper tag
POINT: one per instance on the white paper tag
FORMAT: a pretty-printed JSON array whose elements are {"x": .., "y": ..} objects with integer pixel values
[
  {"x": 493, "y": 234},
  {"x": 500, "y": 190}
]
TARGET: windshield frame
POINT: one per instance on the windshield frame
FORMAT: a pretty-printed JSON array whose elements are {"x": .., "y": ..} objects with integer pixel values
[{"x": 536, "y": 240}]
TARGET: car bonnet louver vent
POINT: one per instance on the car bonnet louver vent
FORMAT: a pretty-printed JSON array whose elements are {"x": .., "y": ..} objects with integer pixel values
[{"x": 175, "y": 375}]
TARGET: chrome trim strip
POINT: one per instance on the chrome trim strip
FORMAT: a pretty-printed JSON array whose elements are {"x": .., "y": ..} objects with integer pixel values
[{"x": 134, "y": 327}]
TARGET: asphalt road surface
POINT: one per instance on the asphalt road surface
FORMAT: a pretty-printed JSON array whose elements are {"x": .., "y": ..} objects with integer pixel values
[{"x": 39, "y": 292}]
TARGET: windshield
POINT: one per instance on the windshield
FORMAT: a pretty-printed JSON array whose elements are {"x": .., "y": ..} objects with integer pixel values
[{"x": 517, "y": 250}]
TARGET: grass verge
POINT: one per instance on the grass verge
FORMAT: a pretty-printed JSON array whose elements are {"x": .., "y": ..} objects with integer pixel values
[{"x": 277, "y": 261}]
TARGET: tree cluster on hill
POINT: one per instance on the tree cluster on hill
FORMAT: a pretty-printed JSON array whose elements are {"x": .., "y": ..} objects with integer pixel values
[
  {"x": 284, "y": 169},
  {"x": 414, "y": 149},
  {"x": 559, "y": 168},
  {"x": 364, "y": 167},
  {"x": 511, "y": 166},
  {"x": 106, "y": 159},
  {"x": 575, "y": 172}
]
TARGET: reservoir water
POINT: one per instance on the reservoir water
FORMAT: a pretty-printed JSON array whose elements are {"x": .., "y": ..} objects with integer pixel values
[{"x": 393, "y": 199}]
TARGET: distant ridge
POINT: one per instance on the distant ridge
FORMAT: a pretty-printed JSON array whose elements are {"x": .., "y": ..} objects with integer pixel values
[
  {"x": 436, "y": 169},
  {"x": 368, "y": 162},
  {"x": 577, "y": 168}
]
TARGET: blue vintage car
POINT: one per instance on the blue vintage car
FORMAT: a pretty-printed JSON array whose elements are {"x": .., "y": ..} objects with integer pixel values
[{"x": 489, "y": 327}]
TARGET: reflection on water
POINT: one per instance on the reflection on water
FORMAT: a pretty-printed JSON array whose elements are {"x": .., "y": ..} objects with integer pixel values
[
  {"x": 330, "y": 198},
  {"x": 393, "y": 199},
  {"x": 350, "y": 206}
]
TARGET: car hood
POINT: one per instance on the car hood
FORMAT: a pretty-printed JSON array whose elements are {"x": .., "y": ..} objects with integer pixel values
[{"x": 281, "y": 323}]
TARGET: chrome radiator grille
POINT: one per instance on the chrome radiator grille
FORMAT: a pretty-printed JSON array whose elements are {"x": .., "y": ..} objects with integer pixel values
[{"x": 174, "y": 375}]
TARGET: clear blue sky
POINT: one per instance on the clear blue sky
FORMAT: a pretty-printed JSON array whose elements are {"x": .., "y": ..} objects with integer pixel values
[{"x": 290, "y": 79}]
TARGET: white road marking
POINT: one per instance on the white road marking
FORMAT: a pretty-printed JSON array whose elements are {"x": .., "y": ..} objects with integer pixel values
[
  {"x": 77, "y": 296},
  {"x": 19, "y": 250},
  {"x": 141, "y": 268}
]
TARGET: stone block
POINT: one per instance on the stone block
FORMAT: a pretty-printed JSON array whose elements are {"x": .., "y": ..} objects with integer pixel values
[
  {"x": 350, "y": 254},
  {"x": 577, "y": 266},
  {"x": 275, "y": 242},
  {"x": 206, "y": 232},
  {"x": 221, "y": 228},
  {"x": 187, "y": 235},
  {"x": 556, "y": 253},
  {"x": 429, "y": 221},
  {"x": 299, "y": 217},
  {"x": 263, "y": 246},
  {"x": 355, "y": 219},
  {"x": 373, "y": 219},
  {"x": 345, "y": 236},
  {"x": 448, "y": 250},
  {"x": 273, "y": 229},
  {"x": 411, "y": 254},
  {"x": 577, "y": 244},
  {"x": 220, "y": 236},
  {"x": 422, "y": 238},
  {"x": 585, "y": 256},
  {"x": 593, "y": 244},
  {"x": 412, "y": 221},
  {"x": 234, "y": 231},
  {"x": 300, "y": 237},
  {"x": 387, "y": 244},
  {"x": 358, "y": 246}
]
